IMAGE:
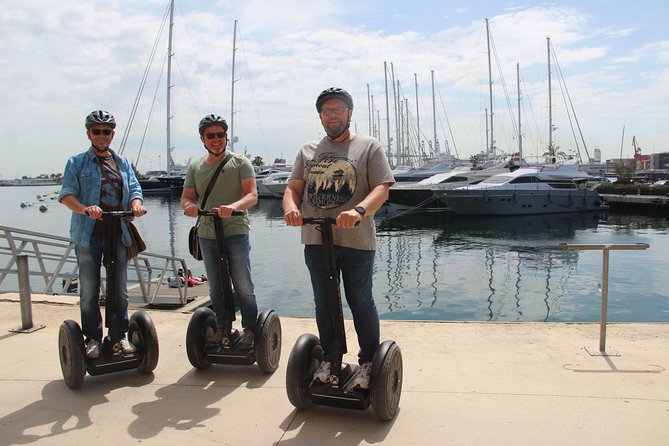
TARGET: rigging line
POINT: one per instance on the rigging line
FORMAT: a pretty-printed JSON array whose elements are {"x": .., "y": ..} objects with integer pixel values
[
  {"x": 448, "y": 123},
  {"x": 253, "y": 91},
  {"x": 148, "y": 120},
  {"x": 142, "y": 84},
  {"x": 506, "y": 92},
  {"x": 534, "y": 118},
  {"x": 578, "y": 125},
  {"x": 198, "y": 64}
]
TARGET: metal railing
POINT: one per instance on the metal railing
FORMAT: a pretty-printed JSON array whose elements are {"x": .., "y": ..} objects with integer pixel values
[
  {"x": 605, "y": 288},
  {"x": 53, "y": 268}
]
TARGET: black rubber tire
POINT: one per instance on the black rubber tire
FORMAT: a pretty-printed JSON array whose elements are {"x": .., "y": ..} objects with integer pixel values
[
  {"x": 202, "y": 318},
  {"x": 386, "y": 387},
  {"x": 268, "y": 341},
  {"x": 72, "y": 352},
  {"x": 302, "y": 364},
  {"x": 142, "y": 334}
]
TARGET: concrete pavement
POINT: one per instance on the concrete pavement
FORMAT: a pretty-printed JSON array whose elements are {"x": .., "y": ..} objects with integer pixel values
[{"x": 464, "y": 384}]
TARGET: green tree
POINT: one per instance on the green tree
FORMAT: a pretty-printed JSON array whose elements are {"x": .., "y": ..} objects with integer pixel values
[
  {"x": 553, "y": 153},
  {"x": 474, "y": 159},
  {"x": 625, "y": 170},
  {"x": 257, "y": 161}
]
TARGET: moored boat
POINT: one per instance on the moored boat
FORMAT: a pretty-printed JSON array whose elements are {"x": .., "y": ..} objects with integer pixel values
[{"x": 528, "y": 190}]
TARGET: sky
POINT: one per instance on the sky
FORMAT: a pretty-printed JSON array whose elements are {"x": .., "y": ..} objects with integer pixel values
[{"x": 61, "y": 60}]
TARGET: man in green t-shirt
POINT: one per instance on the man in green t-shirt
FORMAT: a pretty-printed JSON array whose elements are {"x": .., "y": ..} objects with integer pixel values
[{"x": 234, "y": 190}]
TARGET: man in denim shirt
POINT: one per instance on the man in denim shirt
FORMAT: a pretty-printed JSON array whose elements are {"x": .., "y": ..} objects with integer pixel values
[{"x": 94, "y": 181}]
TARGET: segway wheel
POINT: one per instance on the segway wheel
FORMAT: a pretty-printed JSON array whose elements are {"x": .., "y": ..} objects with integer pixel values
[
  {"x": 386, "y": 387},
  {"x": 72, "y": 353},
  {"x": 268, "y": 342},
  {"x": 142, "y": 334},
  {"x": 302, "y": 364},
  {"x": 195, "y": 337}
]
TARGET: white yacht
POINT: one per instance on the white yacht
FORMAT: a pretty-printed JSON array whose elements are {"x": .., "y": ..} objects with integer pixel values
[
  {"x": 529, "y": 190},
  {"x": 421, "y": 195}
]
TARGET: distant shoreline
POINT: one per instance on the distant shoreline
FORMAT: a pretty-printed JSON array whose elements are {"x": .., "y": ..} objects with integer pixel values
[{"x": 30, "y": 182}]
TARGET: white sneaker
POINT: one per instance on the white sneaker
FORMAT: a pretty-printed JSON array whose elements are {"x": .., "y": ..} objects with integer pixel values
[
  {"x": 127, "y": 347},
  {"x": 323, "y": 373},
  {"x": 92, "y": 349},
  {"x": 361, "y": 378}
]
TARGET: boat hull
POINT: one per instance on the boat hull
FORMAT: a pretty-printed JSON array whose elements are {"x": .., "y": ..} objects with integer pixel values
[{"x": 521, "y": 202}]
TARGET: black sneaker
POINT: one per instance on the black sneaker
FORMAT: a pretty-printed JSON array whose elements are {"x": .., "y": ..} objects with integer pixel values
[{"x": 246, "y": 340}]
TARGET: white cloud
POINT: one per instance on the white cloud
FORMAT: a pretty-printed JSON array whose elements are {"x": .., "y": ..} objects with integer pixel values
[{"x": 60, "y": 63}]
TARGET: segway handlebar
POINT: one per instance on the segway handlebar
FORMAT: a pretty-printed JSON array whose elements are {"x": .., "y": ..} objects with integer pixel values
[
  {"x": 212, "y": 213},
  {"x": 117, "y": 213},
  {"x": 321, "y": 220}
]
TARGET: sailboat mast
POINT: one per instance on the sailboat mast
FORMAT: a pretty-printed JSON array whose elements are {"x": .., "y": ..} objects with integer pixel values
[
  {"x": 420, "y": 149},
  {"x": 492, "y": 138},
  {"x": 170, "y": 161},
  {"x": 389, "y": 154},
  {"x": 550, "y": 99},
  {"x": 232, "y": 93},
  {"x": 520, "y": 135},
  {"x": 435, "y": 143}
]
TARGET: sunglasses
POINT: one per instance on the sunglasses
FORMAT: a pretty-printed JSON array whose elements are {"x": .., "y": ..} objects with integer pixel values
[
  {"x": 105, "y": 132},
  {"x": 220, "y": 135}
]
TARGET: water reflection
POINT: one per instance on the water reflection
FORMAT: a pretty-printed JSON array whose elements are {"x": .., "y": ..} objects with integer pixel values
[{"x": 494, "y": 268}]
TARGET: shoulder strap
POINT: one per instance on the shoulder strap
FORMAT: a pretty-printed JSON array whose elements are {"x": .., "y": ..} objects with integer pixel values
[{"x": 210, "y": 186}]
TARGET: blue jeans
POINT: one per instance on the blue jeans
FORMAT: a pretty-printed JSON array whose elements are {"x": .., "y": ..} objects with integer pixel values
[
  {"x": 238, "y": 249},
  {"x": 89, "y": 259},
  {"x": 356, "y": 268}
]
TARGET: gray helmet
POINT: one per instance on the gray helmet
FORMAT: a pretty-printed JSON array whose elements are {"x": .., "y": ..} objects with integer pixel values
[
  {"x": 100, "y": 117},
  {"x": 334, "y": 92},
  {"x": 212, "y": 120}
]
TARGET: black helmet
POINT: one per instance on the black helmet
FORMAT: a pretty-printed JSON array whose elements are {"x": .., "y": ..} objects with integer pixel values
[
  {"x": 334, "y": 92},
  {"x": 212, "y": 120},
  {"x": 100, "y": 117}
]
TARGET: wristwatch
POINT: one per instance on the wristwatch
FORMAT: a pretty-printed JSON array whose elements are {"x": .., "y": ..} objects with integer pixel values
[{"x": 360, "y": 210}]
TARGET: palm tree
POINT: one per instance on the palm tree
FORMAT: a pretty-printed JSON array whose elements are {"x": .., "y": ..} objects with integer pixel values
[
  {"x": 257, "y": 161},
  {"x": 474, "y": 159},
  {"x": 553, "y": 153}
]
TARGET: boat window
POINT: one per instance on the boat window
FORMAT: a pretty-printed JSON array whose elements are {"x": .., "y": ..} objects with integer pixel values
[
  {"x": 524, "y": 179},
  {"x": 454, "y": 179}
]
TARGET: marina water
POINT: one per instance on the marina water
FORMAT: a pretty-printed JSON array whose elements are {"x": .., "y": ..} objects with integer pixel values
[{"x": 433, "y": 266}]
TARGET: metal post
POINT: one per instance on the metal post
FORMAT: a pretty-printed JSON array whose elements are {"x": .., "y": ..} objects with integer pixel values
[
  {"x": 605, "y": 289},
  {"x": 605, "y": 300},
  {"x": 27, "y": 325}
]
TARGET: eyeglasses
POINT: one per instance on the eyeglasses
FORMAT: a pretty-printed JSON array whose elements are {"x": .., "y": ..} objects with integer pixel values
[
  {"x": 105, "y": 132},
  {"x": 336, "y": 111},
  {"x": 220, "y": 135}
]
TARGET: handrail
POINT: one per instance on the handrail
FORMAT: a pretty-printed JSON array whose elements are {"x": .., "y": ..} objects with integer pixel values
[
  {"x": 53, "y": 259},
  {"x": 605, "y": 248}
]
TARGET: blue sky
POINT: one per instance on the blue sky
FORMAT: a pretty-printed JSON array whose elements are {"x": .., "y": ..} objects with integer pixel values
[{"x": 60, "y": 63}]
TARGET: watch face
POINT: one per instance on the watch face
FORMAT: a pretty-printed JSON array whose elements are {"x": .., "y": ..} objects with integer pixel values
[{"x": 360, "y": 210}]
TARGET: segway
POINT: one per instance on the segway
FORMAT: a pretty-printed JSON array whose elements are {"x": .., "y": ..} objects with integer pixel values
[
  {"x": 141, "y": 331},
  {"x": 266, "y": 350},
  {"x": 385, "y": 384}
]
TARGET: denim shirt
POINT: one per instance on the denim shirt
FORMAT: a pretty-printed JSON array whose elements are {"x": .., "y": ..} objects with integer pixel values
[{"x": 83, "y": 180}]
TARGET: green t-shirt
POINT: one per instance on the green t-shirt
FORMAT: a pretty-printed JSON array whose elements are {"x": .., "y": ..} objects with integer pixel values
[{"x": 226, "y": 190}]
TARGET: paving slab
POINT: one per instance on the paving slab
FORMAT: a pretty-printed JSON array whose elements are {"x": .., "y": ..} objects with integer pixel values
[{"x": 465, "y": 383}]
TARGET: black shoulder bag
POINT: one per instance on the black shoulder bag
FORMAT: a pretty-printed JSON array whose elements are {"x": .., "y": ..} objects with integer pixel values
[{"x": 193, "y": 239}]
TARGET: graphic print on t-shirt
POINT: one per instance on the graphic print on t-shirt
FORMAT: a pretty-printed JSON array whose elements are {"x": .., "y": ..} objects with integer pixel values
[
  {"x": 331, "y": 181},
  {"x": 111, "y": 190}
]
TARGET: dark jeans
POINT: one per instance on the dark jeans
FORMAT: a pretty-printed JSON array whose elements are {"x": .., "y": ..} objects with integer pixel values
[
  {"x": 356, "y": 268},
  {"x": 238, "y": 249},
  {"x": 89, "y": 259}
]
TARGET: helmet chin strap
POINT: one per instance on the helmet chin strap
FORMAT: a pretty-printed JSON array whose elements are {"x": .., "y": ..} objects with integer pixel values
[{"x": 214, "y": 153}]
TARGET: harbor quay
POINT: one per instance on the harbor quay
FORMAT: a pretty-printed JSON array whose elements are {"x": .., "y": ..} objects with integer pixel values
[{"x": 464, "y": 383}]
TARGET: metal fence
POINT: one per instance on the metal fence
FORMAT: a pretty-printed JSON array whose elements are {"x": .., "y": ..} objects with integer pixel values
[{"x": 53, "y": 268}]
